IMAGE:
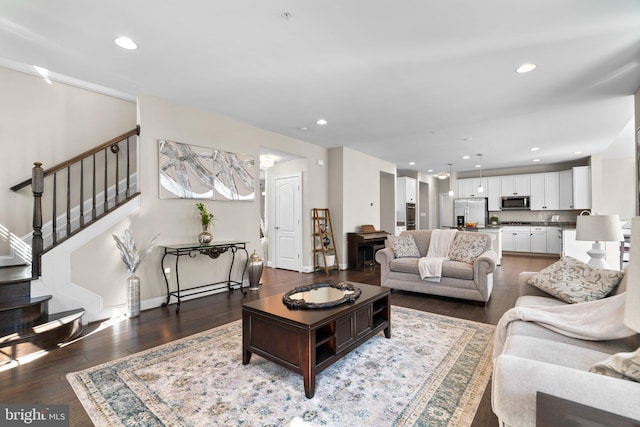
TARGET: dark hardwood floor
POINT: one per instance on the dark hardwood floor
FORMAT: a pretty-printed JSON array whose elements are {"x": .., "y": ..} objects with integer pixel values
[{"x": 43, "y": 380}]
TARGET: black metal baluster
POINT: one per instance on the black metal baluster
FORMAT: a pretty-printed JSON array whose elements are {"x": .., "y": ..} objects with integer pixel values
[
  {"x": 54, "y": 219},
  {"x": 68, "y": 224},
  {"x": 106, "y": 200},
  {"x": 93, "y": 191},
  {"x": 82, "y": 193},
  {"x": 128, "y": 170}
]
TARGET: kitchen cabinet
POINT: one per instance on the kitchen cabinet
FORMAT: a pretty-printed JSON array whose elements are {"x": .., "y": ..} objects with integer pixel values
[
  {"x": 554, "y": 240},
  {"x": 538, "y": 239},
  {"x": 406, "y": 190},
  {"x": 545, "y": 191},
  {"x": 494, "y": 193},
  {"x": 516, "y": 239},
  {"x": 468, "y": 187},
  {"x": 565, "y": 185},
  {"x": 516, "y": 185},
  {"x": 582, "y": 187}
]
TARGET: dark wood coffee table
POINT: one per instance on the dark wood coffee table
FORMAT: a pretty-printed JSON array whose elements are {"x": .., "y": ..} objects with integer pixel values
[{"x": 307, "y": 341}]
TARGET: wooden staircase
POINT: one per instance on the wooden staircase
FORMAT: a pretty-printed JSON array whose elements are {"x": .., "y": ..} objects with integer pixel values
[{"x": 25, "y": 323}]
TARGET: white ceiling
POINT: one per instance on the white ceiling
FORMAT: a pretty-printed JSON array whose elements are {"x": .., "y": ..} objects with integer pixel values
[{"x": 403, "y": 81}]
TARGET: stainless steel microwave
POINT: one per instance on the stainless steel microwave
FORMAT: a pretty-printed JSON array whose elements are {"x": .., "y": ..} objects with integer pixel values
[{"x": 515, "y": 203}]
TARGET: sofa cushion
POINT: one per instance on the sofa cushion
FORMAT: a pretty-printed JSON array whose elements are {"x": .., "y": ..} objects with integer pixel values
[
  {"x": 404, "y": 246},
  {"x": 553, "y": 352},
  {"x": 457, "y": 270},
  {"x": 405, "y": 265},
  {"x": 573, "y": 281},
  {"x": 466, "y": 247}
]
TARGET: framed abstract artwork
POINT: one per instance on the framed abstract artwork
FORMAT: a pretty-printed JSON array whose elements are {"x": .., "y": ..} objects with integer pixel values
[{"x": 192, "y": 172}]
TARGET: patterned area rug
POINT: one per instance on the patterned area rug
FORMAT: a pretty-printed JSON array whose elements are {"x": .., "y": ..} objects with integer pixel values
[{"x": 432, "y": 372}]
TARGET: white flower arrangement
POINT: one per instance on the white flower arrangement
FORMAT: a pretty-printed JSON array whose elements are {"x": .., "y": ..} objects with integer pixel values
[{"x": 129, "y": 252}]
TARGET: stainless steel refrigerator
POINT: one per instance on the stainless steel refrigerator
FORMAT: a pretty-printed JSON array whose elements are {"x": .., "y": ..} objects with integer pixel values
[{"x": 471, "y": 210}]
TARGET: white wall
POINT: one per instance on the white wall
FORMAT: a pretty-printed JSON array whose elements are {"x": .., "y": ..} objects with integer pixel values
[
  {"x": 49, "y": 123},
  {"x": 97, "y": 267},
  {"x": 387, "y": 202},
  {"x": 354, "y": 193}
]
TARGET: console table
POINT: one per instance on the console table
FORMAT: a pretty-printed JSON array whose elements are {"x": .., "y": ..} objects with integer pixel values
[{"x": 213, "y": 250}]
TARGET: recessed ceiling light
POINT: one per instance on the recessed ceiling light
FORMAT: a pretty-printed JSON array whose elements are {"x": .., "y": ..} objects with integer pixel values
[
  {"x": 412, "y": 163},
  {"x": 430, "y": 170},
  {"x": 465, "y": 157},
  {"x": 126, "y": 43},
  {"x": 478, "y": 165},
  {"x": 577, "y": 152},
  {"x": 525, "y": 68},
  {"x": 535, "y": 148},
  {"x": 321, "y": 122},
  {"x": 303, "y": 129},
  {"x": 536, "y": 160}
]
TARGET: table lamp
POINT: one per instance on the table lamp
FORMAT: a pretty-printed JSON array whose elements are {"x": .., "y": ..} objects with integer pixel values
[
  {"x": 632, "y": 303},
  {"x": 598, "y": 229}
]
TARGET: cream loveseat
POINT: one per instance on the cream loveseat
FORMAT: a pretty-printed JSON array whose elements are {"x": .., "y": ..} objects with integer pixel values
[
  {"x": 471, "y": 280},
  {"x": 536, "y": 359}
]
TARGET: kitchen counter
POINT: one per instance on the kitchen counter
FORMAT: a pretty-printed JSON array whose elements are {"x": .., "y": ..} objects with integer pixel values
[{"x": 539, "y": 224}]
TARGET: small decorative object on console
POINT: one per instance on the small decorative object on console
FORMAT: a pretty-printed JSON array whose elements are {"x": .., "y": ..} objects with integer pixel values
[{"x": 206, "y": 219}]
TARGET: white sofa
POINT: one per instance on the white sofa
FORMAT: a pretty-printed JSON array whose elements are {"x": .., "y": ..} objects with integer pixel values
[
  {"x": 471, "y": 281},
  {"x": 537, "y": 359}
]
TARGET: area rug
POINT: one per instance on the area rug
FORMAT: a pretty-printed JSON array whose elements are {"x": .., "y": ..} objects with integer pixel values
[{"x": 431, "y": 372}]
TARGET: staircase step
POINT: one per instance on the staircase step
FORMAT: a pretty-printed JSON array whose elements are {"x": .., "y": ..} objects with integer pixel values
[
  {"x": 15, "y": 282},
  {"x": 17, "y": 272},
  {"x": 15, "y": 312},
  {"x": 53, "y": 330}
]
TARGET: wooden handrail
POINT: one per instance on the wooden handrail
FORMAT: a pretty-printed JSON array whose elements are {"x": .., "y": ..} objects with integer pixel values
[{"x": 79, "y": 157}]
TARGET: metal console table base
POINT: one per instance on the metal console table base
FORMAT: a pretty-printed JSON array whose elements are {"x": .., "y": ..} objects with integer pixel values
[{"x": 213, "y": 251}]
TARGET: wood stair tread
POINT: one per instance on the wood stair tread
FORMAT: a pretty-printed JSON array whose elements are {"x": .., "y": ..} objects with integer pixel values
[
  {"x": 49, "y": 323},
  {"x": 15, "y": 274},
  {"x": 24, "y": 301}
]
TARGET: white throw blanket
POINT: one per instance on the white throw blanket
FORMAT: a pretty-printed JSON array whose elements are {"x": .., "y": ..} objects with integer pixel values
[
  {"x": 593, "y": 321},
  {"x": 430, "y": 267}
]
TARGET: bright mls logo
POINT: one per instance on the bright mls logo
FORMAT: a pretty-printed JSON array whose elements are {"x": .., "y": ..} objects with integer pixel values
[{"x": 34, "y": 415}]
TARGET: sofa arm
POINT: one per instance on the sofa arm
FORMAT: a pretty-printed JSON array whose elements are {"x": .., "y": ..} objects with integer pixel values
[
  {"x": 485, "y": 263},
  {"x": 525, "y": 288},
  {"x": 384, "y": 258},
  {"x": 516, "y": 381},
  {"x": 483, "y": 268}
]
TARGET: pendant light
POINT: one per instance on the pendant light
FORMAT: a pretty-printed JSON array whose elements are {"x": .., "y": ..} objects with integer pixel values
[
  {"x": 480, "y": 187},
  {"x": 450, "y": 175}
]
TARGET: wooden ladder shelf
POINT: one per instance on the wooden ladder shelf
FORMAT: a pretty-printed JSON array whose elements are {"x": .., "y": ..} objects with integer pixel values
[{"x": 324, "y": 243}]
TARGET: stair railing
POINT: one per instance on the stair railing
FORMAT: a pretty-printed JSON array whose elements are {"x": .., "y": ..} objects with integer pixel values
[{"x": 109, "y": 190}]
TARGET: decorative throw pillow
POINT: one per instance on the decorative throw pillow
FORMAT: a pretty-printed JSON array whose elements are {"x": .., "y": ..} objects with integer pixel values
[
  {"x": 404, "y": 246},
  {"x": 572, "y": 280},
  {"x": 467, "y": 247}
]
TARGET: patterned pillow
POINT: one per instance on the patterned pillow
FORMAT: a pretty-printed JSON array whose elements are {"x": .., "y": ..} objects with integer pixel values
[
  {"x": 572, "y": 280},
  {"x": 404, "y": 246},
  {"x": 467, "y": 247}
]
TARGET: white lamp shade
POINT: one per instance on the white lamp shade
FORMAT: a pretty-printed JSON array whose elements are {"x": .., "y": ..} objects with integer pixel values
[
  {"x": 632, "y": 303},
  {"x": 599, "y": 228}
]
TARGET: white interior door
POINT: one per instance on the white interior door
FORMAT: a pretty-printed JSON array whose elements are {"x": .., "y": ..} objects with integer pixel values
[{"x": 288, "y": 222}]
